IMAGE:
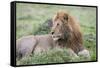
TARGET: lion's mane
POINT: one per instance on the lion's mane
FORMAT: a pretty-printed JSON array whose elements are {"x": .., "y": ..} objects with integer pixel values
[{"x": 71, "y": 31}]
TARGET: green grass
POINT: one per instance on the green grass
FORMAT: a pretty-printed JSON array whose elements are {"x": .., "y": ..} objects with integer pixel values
[
  {"x": 31, "y": 21},
  {"x": 52, "y": 56}
]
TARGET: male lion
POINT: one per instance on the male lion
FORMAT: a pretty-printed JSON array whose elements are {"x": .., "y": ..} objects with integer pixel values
[
  {"x": 71, "y": 36},
  {"x": 28, "y": 45}
]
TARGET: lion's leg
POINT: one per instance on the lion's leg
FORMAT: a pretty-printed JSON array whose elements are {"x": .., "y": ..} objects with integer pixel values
[
  {"x": 84, "y": 53},
  {"x": 72, "y": 53}
]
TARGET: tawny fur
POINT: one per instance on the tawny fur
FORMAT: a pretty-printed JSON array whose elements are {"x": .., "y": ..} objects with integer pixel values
[
  {"x": 33, "y": 44},
  {"x": 69, "y": 36},
  {"x": 69, "y": 28}
]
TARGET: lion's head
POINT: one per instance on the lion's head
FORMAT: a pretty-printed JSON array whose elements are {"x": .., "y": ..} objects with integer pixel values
[{"x": 61, "y": 25}]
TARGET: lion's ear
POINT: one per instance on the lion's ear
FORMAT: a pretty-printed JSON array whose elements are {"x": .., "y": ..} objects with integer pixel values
[
  {"x": 57, "y": 15},
  {"x": 69, "y": 19},
  {"x": 65, "y": 17}
]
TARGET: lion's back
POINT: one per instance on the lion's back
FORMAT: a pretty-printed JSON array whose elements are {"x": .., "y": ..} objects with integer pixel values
[{"x": 45, "y": 42}]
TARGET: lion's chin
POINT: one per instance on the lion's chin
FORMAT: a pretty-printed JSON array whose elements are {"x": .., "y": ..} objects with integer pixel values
[{"x": 56, "y": 37}]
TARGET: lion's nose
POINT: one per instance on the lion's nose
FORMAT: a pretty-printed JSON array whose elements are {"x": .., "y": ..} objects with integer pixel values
[{"x": 52, "y": 32}]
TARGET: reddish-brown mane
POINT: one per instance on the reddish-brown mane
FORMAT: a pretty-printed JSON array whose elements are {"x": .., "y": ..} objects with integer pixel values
[{"x": 71, "y": 28}]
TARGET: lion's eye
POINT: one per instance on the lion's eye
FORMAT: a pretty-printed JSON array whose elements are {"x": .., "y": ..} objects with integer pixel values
[
  {"x": 57, "y": 24},
  {"x": 65, "y": 18}
]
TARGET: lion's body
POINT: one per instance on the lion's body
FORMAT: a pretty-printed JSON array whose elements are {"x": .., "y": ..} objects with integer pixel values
[
  {"x": 33, "y": 44},
  {"x": 67, "y": 31},
  {"x": 65, "y": 24}
]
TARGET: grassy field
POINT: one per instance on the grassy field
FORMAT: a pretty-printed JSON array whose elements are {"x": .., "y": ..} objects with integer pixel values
[{"x": 31, "y": 21}]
